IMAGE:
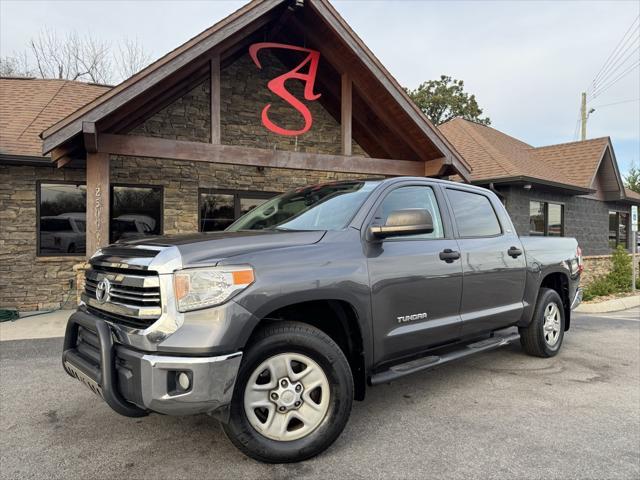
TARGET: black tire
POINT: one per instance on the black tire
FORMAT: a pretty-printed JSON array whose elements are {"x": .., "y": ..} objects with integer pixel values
[
  {"x": 300, "y": 338},
  {"x": 533, "y": 338}
]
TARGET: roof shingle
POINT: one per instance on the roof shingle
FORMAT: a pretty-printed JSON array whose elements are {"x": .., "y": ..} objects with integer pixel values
[
  {"x": 28, "y": 106},
  {"x": 494, "y": 155}
]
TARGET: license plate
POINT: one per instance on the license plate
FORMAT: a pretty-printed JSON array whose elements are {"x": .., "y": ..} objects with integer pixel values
[{"x": 84, "y": 379}]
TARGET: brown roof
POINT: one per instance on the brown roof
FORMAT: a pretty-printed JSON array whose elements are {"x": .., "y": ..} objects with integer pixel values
[
  {"x": 28, "y": 106},
  {"x": 631, "y": 195},
  {"x": 495, "y": 155}
]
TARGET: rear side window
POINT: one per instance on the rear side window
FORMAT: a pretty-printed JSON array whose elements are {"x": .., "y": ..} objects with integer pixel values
[{"x": 474, "y": 214}]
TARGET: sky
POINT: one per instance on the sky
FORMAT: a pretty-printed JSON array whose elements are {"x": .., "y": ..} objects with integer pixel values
[{"x": 527, "y": 62}]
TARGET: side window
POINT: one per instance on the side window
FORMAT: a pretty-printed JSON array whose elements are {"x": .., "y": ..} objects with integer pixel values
[
  {"x": 412, "y": 197},
  {"x": 135, "y": 211},
  {"x": 474, "y": 214},
  {"x": 61, "y": 219}
]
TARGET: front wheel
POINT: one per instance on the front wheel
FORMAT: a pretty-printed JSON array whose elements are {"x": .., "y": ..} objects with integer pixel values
[
  {"x": 293, "y": 394},
  {"x": 543, "y": 337}
]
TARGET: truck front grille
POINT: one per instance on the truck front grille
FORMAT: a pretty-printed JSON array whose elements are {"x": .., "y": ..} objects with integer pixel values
[{"x": 129, "y": 296}]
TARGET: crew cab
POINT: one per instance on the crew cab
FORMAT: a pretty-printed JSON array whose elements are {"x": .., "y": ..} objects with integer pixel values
[{"x": 277, "y": 324}]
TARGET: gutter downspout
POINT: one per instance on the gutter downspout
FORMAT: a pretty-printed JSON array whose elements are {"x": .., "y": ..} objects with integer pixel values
[{"x": 493, "y": 189}]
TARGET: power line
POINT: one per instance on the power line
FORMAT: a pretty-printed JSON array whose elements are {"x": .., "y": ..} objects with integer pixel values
[
  {"x": 615, "y": 80},
  {"x": 617, "y": 103},
  {"x": 577, "y": 129},
  {"x": 625, "y": 46},
  {"x": 620, "y": 64},
  {"x": 614, "y": 52}
]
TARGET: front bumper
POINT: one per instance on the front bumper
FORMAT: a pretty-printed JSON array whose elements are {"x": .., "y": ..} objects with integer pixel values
[{"x": 134, "y": 383}]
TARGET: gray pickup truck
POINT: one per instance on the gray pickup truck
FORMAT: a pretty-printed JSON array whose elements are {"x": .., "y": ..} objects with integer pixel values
[{"x": 275, "y": 325}]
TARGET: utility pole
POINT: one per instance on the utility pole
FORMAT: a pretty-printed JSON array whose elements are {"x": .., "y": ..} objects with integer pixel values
[{"x": 583, "y": 116}]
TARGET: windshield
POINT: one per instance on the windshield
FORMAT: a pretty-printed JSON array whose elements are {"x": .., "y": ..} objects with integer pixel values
[{"x": 328, "y": 206}]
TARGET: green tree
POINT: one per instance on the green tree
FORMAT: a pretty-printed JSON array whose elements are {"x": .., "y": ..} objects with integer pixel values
[
  {"x": 632, "y": 179},
  {"x": 444, "y": 99}
]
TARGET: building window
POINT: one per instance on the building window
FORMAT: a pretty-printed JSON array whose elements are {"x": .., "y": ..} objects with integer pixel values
[
  {"x": 618, "y": 224},
  {"x": 555, "y": 220},
  {"x": 61, "y": 219},
  {"x": 546, "y": 219},
  {"x": 136, "y": 211},
  {"x": 220, "y": 208},
  {"x": 536, "y": 218}
]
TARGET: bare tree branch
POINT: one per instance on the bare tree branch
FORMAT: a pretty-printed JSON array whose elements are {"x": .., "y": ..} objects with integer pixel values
[
  {"x": 131, "y": 57},
  {"x": 16, "y": 66},
  {"x": 77, "y": 57}
]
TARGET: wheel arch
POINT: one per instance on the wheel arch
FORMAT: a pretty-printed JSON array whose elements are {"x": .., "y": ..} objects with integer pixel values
[
  {"x": 338, "y": 319},
  {"x": 559, "y": 281}
]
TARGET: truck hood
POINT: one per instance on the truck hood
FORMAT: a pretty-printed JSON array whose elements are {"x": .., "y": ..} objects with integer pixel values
[{"x": 199, "y": 249}]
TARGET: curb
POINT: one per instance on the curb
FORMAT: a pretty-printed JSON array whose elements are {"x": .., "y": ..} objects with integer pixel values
[
  {"x": 613, "y": 305},
  {"x": 47, "y": 325}
]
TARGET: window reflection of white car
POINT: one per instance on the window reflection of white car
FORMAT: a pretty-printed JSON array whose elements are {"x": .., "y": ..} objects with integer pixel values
[
  {"x": 129, "y": 226},
  {"x": 64, "y": 233}
]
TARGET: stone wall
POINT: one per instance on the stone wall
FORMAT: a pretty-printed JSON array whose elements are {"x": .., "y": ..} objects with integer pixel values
[
  {"x": 594, "y": 267},
  {"x": 598, "y": 266},
  {"x": 585, "y": 219},
  {"x": 188, "y": 118},
  {"x": 27, "y": 281},
  {"x": 244, "y": 93}
]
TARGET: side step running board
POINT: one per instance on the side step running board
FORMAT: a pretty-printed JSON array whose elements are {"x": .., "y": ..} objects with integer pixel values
[{"x": 424, "y": 363}]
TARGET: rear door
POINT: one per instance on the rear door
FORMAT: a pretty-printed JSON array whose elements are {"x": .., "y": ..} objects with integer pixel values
[
  {"x": 415, "y": 294},
  {"x": 493, "y": 261}
]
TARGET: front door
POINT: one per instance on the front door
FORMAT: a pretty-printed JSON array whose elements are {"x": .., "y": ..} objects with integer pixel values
[
  {"x": 415, "y": 295},
  {"x": 493, "y": 262}
]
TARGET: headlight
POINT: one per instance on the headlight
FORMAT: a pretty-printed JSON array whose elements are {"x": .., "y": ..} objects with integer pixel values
[{"x": 197, "y": 288}]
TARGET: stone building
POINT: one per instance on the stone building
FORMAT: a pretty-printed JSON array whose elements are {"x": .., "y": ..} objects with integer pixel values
[
  {"x": 279, "y": 94},
  {"x": 189, "y": 144},
  {"x": 572, "y": 189}
]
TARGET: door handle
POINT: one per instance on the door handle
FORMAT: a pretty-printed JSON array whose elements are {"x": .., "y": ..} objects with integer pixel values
[
  {"x": 449, "y": 255},
  {"x": 514, "y": 252}
]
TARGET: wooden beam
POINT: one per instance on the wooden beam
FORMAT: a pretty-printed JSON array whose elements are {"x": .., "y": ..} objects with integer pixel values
[
  {"x": 97, "y": 201},
  {"x": 90, "y": 135},
  {"x": 436, "y": 168},
  {"x": 62, "y": 161},
  {"x": 215, "y": 100},
  {"x": 346, "y": 114},
  {"x": 235, "y": 155},
  {"x": 60, "y": 152},
  {"x": 314, "y": 40}
]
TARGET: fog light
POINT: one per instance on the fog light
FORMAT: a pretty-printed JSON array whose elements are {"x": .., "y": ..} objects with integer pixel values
[{"x": 183, "y": 381}]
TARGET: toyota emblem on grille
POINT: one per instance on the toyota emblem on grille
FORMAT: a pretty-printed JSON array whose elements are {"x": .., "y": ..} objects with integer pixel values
[{"x": 102, "y": 290}]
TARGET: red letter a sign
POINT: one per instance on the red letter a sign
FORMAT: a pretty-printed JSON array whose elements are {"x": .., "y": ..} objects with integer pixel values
[{"x": 277, "y": 86}]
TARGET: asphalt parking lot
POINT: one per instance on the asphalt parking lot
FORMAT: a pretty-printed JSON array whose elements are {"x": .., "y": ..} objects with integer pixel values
[{"x": 499, "y": 415}]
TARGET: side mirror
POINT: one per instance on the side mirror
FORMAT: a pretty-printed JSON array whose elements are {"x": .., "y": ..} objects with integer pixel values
[{"x": 410, "y": 221}]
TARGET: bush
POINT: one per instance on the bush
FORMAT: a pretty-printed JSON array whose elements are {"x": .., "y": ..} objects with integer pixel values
[{"x": 616, "y": 281}]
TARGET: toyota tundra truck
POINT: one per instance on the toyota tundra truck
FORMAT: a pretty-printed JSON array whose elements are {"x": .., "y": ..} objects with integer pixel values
[{"x": 275, "y": 325}]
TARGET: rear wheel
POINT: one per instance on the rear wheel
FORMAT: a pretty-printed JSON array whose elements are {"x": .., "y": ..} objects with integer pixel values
[
  {"x": 293, "y": 394},
  {"x": 543, "y": 337}
]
